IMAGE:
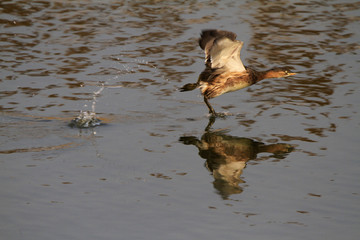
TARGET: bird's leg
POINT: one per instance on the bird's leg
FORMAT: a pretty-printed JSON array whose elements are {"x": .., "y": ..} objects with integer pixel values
[
  {"x": 211, "y": 122},
  {"x": 211, "y": 110}
]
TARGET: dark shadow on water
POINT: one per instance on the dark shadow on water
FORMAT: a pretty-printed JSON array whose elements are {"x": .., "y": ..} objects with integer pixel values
[{"x": 226, "y": 156}]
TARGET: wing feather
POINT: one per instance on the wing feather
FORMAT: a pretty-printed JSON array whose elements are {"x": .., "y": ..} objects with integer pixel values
[
  {"x": 225, "y": 53},
  {"x": 222, "y": 50}
]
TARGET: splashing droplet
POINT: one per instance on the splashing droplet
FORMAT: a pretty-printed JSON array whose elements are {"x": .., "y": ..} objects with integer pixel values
[{"x": 87, "y": 119}]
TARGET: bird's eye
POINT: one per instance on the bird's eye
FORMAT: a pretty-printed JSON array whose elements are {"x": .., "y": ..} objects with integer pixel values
[{"x": 286, "y": 72}]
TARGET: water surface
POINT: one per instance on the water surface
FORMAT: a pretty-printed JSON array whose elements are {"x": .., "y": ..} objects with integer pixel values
[{"x": 282, "y": 165}]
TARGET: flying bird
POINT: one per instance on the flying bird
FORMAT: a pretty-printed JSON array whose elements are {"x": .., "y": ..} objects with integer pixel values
[{"x": 224, "y": 71}]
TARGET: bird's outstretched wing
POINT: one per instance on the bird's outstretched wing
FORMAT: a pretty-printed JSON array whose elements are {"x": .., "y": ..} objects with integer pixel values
[{"x": 222, "y": 50}]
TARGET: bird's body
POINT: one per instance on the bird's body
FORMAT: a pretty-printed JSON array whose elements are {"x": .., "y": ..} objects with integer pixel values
[
  {"x": 224, "y": 71},
  {"x": 226, "y": 82}
]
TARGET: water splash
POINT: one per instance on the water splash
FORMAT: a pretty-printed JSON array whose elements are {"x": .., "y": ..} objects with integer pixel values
[
  {"x": 95, "y": 94},
  {"x": 134, "y": 65},
  {"x": 87, "y": 119}
]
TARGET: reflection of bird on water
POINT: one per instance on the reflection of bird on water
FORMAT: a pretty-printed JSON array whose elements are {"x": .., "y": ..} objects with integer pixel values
[
  {"x": 226, "y": 157},
  {"x": 224, "y": 71}
]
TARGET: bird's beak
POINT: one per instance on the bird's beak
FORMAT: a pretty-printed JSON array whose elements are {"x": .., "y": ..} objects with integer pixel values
[{"x": 291, "y": 74}]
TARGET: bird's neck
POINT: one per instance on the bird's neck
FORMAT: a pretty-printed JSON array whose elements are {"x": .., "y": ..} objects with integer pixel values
[
  {"x": 270, "y": 74},
  {"x": 258, "y": 76}
]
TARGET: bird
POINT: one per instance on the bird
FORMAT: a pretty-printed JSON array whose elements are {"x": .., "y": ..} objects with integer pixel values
[{"x": 224, "y": 71}]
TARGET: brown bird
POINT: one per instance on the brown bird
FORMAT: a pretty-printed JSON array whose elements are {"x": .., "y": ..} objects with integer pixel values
[{"x": 224, "y": 71}]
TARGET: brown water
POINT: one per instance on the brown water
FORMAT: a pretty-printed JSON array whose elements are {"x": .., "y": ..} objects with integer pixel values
[{"x": 282, "y": 165}]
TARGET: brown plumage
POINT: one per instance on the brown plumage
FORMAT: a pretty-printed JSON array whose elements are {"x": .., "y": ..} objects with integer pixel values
[{"x": 224, "y": 71}]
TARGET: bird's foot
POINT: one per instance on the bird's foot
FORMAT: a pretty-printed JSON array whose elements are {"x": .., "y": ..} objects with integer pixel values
[{"x": 219, "y": 115}]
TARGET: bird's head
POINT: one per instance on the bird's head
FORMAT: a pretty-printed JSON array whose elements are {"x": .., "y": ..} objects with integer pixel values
[{"x": 279, "y": 72}]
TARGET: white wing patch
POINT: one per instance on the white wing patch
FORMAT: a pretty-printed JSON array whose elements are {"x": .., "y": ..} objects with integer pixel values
[{"x": 225, "y": 53}]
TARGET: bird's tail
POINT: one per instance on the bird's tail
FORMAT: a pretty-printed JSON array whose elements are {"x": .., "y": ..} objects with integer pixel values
[{"x": 189, "y": 87}]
